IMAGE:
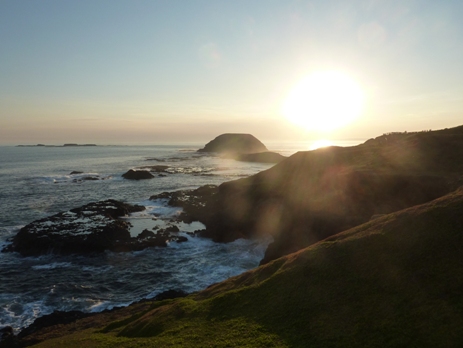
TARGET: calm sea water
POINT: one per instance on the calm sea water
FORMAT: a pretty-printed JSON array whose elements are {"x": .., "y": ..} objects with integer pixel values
[{"x": 35, "y": 182}]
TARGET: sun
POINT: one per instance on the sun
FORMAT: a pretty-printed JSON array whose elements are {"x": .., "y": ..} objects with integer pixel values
[{"x": 324, "y": 101}]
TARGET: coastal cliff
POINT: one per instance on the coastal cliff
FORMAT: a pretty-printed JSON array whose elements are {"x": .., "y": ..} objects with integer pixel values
[{"x": 315, "y": 194}]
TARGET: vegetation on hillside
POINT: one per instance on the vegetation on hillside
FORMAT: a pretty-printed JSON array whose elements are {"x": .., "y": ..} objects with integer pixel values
[{"x": 395, "y": 281}]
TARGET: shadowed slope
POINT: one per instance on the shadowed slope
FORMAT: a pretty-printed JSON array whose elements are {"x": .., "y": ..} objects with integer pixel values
[
  {"x": 315, "y": 194},
  {"x": 395, "y": 281}
]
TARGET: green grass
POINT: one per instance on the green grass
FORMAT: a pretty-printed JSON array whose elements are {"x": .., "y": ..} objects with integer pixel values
[{"x": 394, "y": 282}]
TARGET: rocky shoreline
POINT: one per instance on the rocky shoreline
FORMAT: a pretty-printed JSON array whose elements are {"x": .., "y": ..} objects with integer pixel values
[
  {"x": 302, "y": 200},
  {"x": 8, "y": 339}
]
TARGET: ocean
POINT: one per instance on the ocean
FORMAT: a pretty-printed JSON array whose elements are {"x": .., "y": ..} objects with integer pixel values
[{"x": 36, "y": 182}]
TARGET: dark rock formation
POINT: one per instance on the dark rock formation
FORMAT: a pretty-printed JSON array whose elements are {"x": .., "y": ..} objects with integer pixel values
[
  {"x": 74, "y": 172},
  {"x": 232, "y": 144},
  {"x": 55, "y": 318},
  {"x": 193, "y": 202},
  {"x": 146, "y": 234},
  {"x": 31, "y": 334},
  {"x": 261, "y": 157},
  {"x": 95, "y": 227},
  {"x": 90, "y": 178},
  {"x": 7, "y": 337},
  {"x": 181, "y": 239},
  {"x": 137, "y": 175},
  {"x": 172, "y": 229}
]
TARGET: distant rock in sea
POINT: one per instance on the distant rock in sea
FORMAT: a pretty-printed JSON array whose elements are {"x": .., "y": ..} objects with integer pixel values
[
  {"x": 72, "y": 144},
  {"x": 64, "y": 145},
  {"x": 137, "y": 175},
  {"x": 233, "y": 144}
]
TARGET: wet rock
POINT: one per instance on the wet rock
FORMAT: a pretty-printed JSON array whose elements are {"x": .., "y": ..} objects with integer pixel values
[
  {"x": 7, "y": 337},
  {"x": 86, "y": 178},
  {"x": 181, "y": 239},
  {"x": 170, "y": 229},
  {"x": 92, "y": 228},
  {"x": 146, "y": 234},
  {"x": 90, "y": 178},
  {"x": 137, "y": 175},
  {"x": 74, "y": 172},
  {"x": 193, "y": 202}
]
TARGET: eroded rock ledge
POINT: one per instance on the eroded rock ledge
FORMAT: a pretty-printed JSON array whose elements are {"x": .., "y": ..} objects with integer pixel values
[{"x": 92, "y": 228}]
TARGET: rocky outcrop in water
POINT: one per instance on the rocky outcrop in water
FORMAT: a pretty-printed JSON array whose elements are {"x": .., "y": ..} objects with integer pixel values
[
  {"x": 137, "y": 175},
  {"x": 234, "y": 143},
  {"x": 193, "y": 202},
  {"x": 92, "y": 228}
]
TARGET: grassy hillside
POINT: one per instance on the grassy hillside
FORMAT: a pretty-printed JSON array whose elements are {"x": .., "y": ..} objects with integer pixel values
[
  {"x": 315, "y": 194},
  {"x": 393, "y": 282}
]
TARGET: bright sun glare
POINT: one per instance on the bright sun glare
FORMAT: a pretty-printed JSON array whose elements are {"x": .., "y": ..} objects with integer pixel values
[{"x": 324, "y": 101}]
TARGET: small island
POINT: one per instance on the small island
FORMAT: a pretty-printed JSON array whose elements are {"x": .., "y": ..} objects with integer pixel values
[
  {"x": 241, "y": 147},
  {"x": 64, "y": 145},
  {"x": 232, "y": 144}
]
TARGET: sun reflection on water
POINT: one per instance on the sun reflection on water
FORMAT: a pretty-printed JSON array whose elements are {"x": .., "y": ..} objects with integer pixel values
[{"x": 320, "y": 143}]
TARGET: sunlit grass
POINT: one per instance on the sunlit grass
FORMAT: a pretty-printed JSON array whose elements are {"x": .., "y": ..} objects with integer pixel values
[{"x": 393, "y": 282}]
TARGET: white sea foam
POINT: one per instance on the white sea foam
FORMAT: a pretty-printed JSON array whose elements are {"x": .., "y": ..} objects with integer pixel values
[
  {"x": 111, "y": 279},
  {"x": 72, "y": 179},
  {"x": 100, "y": 306},
  {"x": 18, "y": 314},
  {"x": 52, "y": 265},
  {"x": 157, "y": 207},
  {"x": 9, "y": 231}
]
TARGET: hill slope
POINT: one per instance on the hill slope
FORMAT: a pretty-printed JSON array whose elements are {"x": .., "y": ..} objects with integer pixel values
[
  {"x": 314, "y": 194},
  {"x": 395, "y": 281}
]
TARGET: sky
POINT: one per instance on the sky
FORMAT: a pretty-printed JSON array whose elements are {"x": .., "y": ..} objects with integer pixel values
[{"x": 174, "y": 71}]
